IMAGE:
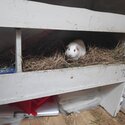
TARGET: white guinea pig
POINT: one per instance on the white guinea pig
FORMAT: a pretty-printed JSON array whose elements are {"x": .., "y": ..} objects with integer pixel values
[{"x": 76, "y": 49}]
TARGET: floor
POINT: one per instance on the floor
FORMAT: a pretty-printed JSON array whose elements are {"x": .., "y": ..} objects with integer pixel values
[{"x": 97, "y": 116}]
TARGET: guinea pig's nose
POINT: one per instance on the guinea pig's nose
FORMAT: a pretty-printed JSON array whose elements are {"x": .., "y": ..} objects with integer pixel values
[{"x": 69, "y": 56}]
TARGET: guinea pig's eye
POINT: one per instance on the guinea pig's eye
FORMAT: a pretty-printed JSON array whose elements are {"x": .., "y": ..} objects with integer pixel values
[
  {"x": 68, "y": 48},
  {"x": 74, "y": 50}
]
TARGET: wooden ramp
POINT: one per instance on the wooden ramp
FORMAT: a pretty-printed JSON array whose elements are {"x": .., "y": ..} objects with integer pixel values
[{"x": 97, "y": 116}]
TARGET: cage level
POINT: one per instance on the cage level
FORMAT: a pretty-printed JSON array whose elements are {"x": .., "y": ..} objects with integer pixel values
[{"x": 31, "y": 85}]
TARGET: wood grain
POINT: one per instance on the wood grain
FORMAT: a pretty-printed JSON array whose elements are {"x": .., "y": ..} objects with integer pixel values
[{"x": 97, "y": 116}]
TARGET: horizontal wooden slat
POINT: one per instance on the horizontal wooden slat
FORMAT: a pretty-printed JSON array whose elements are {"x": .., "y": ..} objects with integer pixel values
[
  {"x": 29, "y": 85},
  {"x": 28, "y": 14}
]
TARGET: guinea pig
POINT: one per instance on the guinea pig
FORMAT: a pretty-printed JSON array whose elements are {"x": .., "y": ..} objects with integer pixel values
[{"x": 75, "y": 49}]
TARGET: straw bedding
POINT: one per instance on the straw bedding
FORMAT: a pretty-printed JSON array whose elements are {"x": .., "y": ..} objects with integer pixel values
[{"x": 94, "y": 56}]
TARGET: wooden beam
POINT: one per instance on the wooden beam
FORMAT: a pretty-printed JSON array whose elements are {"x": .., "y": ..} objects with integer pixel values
[
  {"x": 29, "y": 14},
  {"x": 18, "y": 51},
  {"x": 111, "y": 98},
  {"x": 30, "y": 85}
]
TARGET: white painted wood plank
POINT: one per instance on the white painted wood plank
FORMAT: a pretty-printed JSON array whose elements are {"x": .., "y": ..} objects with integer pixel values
[
  {"x": 29, "y": 85},
  {"x": 123, "y": 103},
  {"x": 28, "y": 14},
  {"x": 111, "y": 100},
  {"x": 123, "y": 106},
  {"x": 18, "y": 51}
]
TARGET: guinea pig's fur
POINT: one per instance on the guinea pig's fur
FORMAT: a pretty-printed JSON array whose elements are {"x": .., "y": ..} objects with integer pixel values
[{"x": 76, "y": 49}]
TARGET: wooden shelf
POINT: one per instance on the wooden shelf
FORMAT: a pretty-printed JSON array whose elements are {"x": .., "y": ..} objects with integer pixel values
[
  {"x": 29, "y": 85},
  {"x": 28, "y": 14}
]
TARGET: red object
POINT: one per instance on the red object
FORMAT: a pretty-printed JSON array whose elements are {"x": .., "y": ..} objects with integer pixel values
[{"x": 30, "y": 106}]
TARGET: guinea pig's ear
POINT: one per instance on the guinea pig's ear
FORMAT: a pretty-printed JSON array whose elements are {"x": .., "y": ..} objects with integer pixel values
[
  {"x": 68, "y": 48},
  {"x": 77, "y": 48}
]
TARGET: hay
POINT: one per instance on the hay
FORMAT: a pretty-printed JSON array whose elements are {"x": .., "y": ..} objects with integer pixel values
[
  {"x": 94, "y": 56},
  {"x": 44, "y": 63}
]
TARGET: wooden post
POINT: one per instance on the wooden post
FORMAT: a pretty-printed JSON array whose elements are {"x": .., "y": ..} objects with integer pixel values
[
  {"x": 112, "y": 97},
  {"x": 18, "y": 51}
]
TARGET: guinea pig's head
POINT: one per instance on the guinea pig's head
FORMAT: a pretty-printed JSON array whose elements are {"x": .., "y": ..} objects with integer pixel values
[{"x": 72, "y": 51}]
